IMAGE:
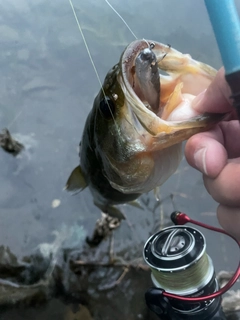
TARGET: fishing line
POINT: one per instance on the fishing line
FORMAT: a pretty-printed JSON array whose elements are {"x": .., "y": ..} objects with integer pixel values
[
  {"x": 118, "y": 14},
  {"x": 90, "y": 57},
  {"x": 89, "y": 54},
  {"x": 16, "y": 117}
]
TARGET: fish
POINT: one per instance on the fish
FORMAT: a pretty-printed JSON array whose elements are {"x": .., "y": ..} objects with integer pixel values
[{"x": 131, "y": 142}]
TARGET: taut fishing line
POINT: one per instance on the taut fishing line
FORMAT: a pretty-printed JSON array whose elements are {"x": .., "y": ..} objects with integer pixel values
[
  {"x": 114, "y": 10},
  {"x": 89, "y": 54},
  {"x": 88, "y": 51}
]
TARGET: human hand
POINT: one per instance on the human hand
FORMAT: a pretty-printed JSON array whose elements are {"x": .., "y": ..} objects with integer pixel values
[{"x": 216, "y": 154}]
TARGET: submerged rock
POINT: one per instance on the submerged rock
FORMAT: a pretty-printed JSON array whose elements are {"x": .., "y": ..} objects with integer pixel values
[
  {"x": 83, "y": 277},
  {"x": 9, "y": 144}
]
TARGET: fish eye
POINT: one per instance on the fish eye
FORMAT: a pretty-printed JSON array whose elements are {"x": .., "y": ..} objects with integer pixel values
[{"x": 107, "y": 108}]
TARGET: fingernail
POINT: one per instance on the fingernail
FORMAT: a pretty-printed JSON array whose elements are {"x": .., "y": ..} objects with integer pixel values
[
  {"x": 197, "y": 101},
  {"x": 200, "y": 160}
]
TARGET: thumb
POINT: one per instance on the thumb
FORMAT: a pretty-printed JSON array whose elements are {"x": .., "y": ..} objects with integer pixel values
[{"x": 216, "y": 98}]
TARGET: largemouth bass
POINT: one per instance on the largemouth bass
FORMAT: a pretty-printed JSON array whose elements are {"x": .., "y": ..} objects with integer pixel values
[{"x": 132, "y": 138}]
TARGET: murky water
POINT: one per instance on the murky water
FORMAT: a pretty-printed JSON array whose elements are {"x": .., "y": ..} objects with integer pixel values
[{"x": 47, "y": 87}]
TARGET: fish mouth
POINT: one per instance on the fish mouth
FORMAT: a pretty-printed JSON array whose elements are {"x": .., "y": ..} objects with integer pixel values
[{"x": 181, "y": 79}]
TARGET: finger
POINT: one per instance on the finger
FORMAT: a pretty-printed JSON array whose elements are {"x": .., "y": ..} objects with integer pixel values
[
  {"x": 216, "y": 97},
  {"x": 225, "y": 189},
  {"x": 201, "y": 151},
  {"x": 208, "y": 151},
  {"x": 230, "y": 137},
  {"x": 229, "y": 219}
]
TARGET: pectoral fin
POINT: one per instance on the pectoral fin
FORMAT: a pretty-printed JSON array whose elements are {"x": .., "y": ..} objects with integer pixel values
[
  {"x": 136, "y": 204},
  {"x": 76, "y": 181}
]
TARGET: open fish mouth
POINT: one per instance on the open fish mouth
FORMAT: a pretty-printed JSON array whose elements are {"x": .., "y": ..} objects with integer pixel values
[
  {"x": 131, "y": 142},
  {"x": 160, "y": 83}
]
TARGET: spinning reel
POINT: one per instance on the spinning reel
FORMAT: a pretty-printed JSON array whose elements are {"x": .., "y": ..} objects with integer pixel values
[{"x": 185, "y": 284}]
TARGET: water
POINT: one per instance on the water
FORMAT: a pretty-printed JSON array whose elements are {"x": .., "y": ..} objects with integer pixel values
[{"x": 47, "y": 87}]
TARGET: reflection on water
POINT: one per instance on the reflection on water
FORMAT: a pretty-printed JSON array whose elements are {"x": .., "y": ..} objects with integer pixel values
[{"x": 47, "y": 87}]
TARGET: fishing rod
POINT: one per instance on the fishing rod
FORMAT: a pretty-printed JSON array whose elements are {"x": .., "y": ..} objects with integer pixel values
[
  {"x": 183, "y": 275},
  {"x": 226, "y": 26},
  {"x": 185, "y": 285}
]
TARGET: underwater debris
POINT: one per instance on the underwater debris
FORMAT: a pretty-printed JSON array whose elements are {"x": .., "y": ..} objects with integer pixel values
[
  {"x": 20, "y": 282},
  {"x": 56, "y": 203},
  {"x": 34, "y": 279},
  {"x": 230, "y": 301},
  {"x": 77, "y": 313},
  {"x": 102, "y": 229},
  {"x": 9, "y": 144},
  {"x": 116, "y": 263},
  {"x": 76, "y": 275}
]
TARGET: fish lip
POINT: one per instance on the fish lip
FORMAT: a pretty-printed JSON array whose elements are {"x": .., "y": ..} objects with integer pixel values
[
  {"x": 127, "y": 65},
  {"x": 127, "y": 61},
  {"x": 125, "y": 78}
]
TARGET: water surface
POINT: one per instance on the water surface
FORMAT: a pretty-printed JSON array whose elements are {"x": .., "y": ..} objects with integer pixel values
[{"x": 47, "y": 87}]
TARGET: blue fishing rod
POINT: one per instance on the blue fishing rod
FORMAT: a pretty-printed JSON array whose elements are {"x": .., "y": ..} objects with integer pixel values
[{"x": 226, "y": 26}]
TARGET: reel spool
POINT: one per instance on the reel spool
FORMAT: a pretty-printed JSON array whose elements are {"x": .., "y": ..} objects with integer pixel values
[
  {"x": 180, "y": 265},
  {"x": 178, "y": 260},
  {"x": 183, "y": 273}
]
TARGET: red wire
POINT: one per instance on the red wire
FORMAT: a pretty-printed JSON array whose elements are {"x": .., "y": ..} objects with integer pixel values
[{"x": 181, "y": 219}]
